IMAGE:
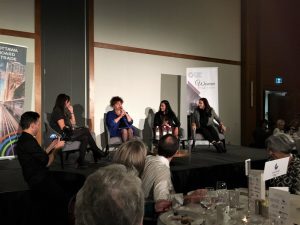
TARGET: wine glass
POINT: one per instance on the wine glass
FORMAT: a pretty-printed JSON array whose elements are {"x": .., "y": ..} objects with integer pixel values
[
  {"x": 221, "y": 185},
  {"x": 222, "y": 192},
  {"x": 176, "y": 200}
]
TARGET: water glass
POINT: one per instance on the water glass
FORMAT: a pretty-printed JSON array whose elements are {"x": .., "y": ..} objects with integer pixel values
[{"x": 234, "y": 198}]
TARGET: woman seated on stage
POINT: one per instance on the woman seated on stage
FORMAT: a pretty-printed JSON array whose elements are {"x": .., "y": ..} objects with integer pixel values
[
  {"x": 166, "y": 118},
  {"x": 203, "y": 123},
  {"x": 119, "y": 121},
  {"x": 63, "y": 121},
  {"x": 280, "y": 146}
]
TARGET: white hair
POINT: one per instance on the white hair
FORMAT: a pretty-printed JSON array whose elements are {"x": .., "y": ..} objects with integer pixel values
[{"x": 110, "y": 196}]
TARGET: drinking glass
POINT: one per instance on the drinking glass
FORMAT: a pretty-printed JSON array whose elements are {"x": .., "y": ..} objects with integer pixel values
[
  {"x": 177, "y": 201},
  {"x": 234, "y": 198},
  {"x": 221, "y": 185},
  {"x": 222, "y": 192}
]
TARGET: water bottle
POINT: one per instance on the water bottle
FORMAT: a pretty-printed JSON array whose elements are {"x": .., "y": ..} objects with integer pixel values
[
  {"x": 169, "y": 130},
  {"x": 164, "y": 130},
  {"x": 157, "y": 133}
]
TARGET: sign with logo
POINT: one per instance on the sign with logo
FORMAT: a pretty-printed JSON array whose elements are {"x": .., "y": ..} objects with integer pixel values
[
  {"x": 276, "y": 168},
  {"x": 202, "y": 82},
  {"x": 12, "y": 95}
]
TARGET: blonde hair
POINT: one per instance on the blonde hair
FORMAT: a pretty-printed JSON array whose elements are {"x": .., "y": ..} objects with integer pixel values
[{"x": 132, "y": 154}]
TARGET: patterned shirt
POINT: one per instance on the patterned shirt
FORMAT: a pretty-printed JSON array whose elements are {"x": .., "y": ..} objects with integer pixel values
[
  {"x": 291, "y": 179},
  {"x": 156, "y": 178}
]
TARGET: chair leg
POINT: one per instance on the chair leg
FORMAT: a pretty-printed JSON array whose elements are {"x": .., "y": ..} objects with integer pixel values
[
  {"x": 193, "y": 144},
  {"x": 183, "y": 144}
]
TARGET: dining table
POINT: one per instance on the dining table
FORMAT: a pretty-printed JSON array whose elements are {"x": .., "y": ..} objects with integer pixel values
[{"x": 220, "y": 214}]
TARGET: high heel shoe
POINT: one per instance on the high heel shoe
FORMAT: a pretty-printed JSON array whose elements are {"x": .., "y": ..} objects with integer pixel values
[{"x": 99, "y": 154}]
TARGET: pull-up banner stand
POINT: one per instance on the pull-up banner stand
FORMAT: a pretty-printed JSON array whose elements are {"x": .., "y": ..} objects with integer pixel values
[{"x": 12, "y": 95}]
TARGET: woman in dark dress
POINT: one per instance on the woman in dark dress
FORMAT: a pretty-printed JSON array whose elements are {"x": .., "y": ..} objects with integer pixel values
[
  {"x": 63, "y": 121},
  {"x": 203, "y": 122},
  {"x": 165, "y": 118}
]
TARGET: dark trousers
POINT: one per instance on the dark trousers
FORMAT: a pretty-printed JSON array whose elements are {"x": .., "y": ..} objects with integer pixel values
[
  {"x": 209, "y": 133},
  {"x": 84, "y": 136},
  {"x": 51, "y": 197}
]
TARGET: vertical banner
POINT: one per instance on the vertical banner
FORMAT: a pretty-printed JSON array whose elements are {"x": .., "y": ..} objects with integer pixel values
[
  {"x": 12, "y": 94},
  {"x": 202, "y": 82}
]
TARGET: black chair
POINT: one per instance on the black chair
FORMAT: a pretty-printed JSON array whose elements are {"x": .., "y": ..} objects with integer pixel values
[{"x": 70, "y": 146}]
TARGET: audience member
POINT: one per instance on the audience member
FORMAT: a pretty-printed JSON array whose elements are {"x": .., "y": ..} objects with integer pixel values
[
  {"x": 294, "y": 128},
  {"x": 119, "y": 121},
  {"x": 203, "y": 123},
  {"x": 156, "y": 178},
  {"x": 280, "y": 126},
  {"x": 166, "y": 118},
  {"x": 63, "y": 121},
  {"x": 132, "y": 154},
  {"x": 110, "y": 196},
  {"x": 280, "y": 146},
  {"x": 48, "y": 188}
]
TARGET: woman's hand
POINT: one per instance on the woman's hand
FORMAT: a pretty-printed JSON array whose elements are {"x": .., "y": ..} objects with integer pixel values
[
  {"x": 222, "y": 128},
  {"x": 70, "y": 108}
]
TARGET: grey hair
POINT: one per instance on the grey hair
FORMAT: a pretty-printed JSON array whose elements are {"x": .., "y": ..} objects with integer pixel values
[
  {"x": 281, "y": 143},
  {"x": 110, "y": 196}
]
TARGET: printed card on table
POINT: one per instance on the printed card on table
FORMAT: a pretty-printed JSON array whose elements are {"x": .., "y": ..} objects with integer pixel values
[
  {"x": 257, "y": 187},
  {"x": 279, "y": 206},
  {"x": 276, "y": 168}
]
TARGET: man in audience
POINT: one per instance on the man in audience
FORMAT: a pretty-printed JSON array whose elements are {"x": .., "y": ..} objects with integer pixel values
[
  {"x": 110, "y": 196},
  {"x": 35, "y": 162},
  {"x": 156, "y": 178}
]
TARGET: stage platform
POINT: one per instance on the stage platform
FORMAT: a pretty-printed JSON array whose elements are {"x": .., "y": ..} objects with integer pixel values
[{"x": 202, "y": 168}]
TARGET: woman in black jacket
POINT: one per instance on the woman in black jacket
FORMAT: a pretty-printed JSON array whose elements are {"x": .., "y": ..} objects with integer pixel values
[
  {"x": 63, "y": 122},
  {"x": 203, "y": 123},
  {"x": 166, "y": 120}
]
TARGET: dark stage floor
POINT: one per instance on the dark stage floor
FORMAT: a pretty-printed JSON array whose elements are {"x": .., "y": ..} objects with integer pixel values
[{"x": 185, "y": 170}]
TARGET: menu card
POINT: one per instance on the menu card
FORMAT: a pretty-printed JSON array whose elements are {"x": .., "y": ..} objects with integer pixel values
[
  {"x": 276, "y": 168},
  {"x": 257, "y": 187},
  {"x": 294, "y": 214},
  {"x": 279, "y": 205}
]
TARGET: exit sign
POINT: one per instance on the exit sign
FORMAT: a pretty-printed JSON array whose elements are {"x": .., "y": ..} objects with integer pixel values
[{"x": 278, "y": 80}]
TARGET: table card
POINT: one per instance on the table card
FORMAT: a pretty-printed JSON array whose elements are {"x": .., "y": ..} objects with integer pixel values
[
  {"x": 256, "y": 188},
  {"x": 294, "y": 209},
  {"x": 276, "y": 168},
  {"x": 279, "y": 201},
  {"x": 247, "y": 166}
]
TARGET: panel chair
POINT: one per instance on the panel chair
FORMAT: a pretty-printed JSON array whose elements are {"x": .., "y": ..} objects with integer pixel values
[
  {"x": 194, "y": 137},
  {"x": 114, "y": 142},
  {"x": 70, "y": 146}
]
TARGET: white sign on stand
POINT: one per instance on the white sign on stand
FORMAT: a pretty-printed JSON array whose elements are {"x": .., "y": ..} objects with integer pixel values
[
  {"x": 276, "y": 168},
  {"x": 257, "y": 187},
  {"x": 279, "y": 206}
]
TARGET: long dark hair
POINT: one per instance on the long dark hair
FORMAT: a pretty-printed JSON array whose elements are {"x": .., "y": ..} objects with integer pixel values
[
  {"x": 60, "y": 101},
  {"x": 169, "y": 111},
  {"x": 207, "y": 108}
]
